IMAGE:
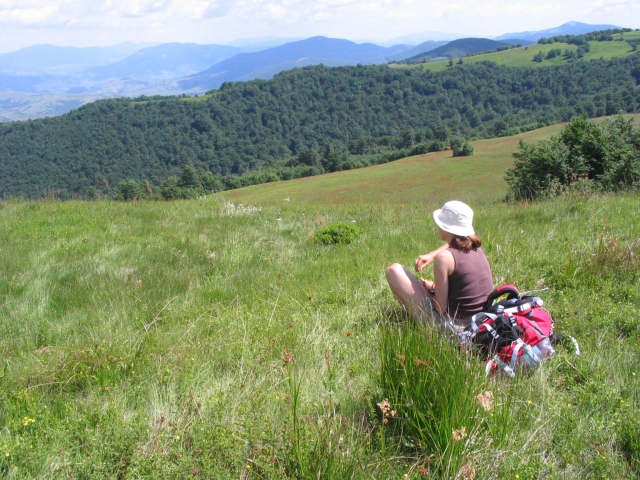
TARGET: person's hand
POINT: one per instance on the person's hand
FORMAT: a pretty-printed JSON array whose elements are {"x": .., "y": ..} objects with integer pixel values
[
  {"x": 423, "y": 261},
  {"x": 428, "y": 285}
]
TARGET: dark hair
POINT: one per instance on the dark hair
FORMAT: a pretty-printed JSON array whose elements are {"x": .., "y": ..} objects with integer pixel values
[{"x": 466, "y": 244}]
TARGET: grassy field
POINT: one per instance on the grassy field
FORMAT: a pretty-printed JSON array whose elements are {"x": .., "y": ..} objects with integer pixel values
[
  {"x": 217, "y": 339},
  {"x": 523, "y": 56}
]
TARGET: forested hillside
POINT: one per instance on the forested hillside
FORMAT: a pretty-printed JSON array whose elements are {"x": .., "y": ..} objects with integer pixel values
[
  {"x": 261, "y": 125},
  {"x": 459, "y": 48}
]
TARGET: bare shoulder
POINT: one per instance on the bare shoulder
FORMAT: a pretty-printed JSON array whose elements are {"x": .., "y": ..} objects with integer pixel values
[
  {"x": 445, "y": 258},
  {"x": 444, "y": 255}
]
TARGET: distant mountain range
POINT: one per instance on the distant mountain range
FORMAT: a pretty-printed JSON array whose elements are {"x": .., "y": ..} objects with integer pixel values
[
  {"x": 169, "y": 60},
  {"x": 261, "y": 43},
  {"x": 312, "y": 51},
  {"x": 427, "y": 46},
  {"x": 418, "y": 38},
  {"x": 569, "y": 28},
  {"x": 72, "y": 76},
  {"x": 51, "y": 59}
]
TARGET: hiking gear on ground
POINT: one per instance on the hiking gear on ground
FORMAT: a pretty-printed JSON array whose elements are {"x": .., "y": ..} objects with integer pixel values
[{"x": 513, "y": 333}]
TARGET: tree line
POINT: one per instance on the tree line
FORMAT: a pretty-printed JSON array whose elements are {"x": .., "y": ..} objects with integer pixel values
[{"x": 302, "y": 122}]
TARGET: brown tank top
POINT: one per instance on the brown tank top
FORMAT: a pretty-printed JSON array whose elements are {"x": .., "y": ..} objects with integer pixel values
[{"x": 470, "y": 283}]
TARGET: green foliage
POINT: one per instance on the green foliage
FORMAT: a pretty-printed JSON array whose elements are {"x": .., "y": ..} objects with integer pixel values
[
  {"x": 538, "y": 57},
  {"x": 606, "y": 154},
  {"x": 634, "y": 43},
  {"x": 461, "y": 147},
  {"x": 463, "y": 47},
  {"x": 128, "y": 190},
  {"x": 582, "y": 40},
  {"x": 338, "y": 234},
  {"x": 170, "y": 188},
  {"x": 553, "y": 53},
  {"x": 189, "y": 177},
  {"x": 302, "y": 122}
]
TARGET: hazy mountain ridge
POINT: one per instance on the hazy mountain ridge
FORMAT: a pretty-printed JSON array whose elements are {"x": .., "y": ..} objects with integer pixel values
[
  {"x": 312, "y": 51},
  {"x": 460, "y": 48},
  {"x": 169, "y": 60},
  {"x": 569, "y": 28},
  {"x": 417, "y": 50},
  {"x": 61, "y": 60}
]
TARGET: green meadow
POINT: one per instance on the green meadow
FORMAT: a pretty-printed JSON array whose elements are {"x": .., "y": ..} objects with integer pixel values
[
  {"x": 523, "y": 56},
  {"x": 217, "y": 338}
]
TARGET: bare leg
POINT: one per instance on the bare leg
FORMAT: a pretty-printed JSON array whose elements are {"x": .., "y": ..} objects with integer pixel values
[{"x": 407, "y": 289}]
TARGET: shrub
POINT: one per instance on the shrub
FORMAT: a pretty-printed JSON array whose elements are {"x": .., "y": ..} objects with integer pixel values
[
  {"x": 461, "y": 148},
  {"x": 129, "y": 190},
  {"x": 338, "y": 234},
  {"x": 467, "y": 150},
  {"x": 170, "y": 188},
  {"x": 606, "y": 154}
]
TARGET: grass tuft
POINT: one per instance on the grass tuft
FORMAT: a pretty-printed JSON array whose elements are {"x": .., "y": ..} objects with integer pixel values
[{"x": 338, "y": 234}]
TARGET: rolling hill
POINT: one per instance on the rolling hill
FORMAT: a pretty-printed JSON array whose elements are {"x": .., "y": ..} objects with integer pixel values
[
  {"x": 458, "y": 48},
  {"x": 569, "y": 28},
  {"x": 417, "y": 50},
  {"x": 523, "y": 56}
]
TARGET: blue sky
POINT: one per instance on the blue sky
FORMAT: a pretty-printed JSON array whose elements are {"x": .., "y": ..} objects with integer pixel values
[{"x": 107, "y": 22}]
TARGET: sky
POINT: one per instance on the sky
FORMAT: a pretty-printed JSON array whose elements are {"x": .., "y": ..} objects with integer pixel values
[{"x": 83, "y": 23}]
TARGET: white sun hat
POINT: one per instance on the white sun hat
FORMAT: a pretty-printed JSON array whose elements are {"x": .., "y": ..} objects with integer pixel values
[{"x": 455, "y": 217}]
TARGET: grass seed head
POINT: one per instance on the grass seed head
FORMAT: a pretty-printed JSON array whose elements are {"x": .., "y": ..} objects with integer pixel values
[
  {"x": 287, "y": 357},
  {"x": 486, "y": 400},
  {"x": 459, "y": 434},
  {"x": 468, "y": 472}
]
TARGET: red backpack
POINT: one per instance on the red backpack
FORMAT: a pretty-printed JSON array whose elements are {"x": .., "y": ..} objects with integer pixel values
[{"x": 514, "y": 332}]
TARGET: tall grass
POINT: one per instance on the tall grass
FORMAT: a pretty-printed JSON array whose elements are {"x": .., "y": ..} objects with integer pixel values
[{"x": 146, "y": 341}]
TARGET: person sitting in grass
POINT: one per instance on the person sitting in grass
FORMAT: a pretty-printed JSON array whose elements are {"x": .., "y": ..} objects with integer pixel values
[{"x": 462, "y": 275}]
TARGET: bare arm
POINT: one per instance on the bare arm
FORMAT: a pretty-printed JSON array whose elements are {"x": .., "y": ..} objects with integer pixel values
[
  {"x": 424, "y": 260},
  {"x": 443, "y": 267}
]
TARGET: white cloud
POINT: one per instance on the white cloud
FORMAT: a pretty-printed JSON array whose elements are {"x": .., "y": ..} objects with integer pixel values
[
  {"x": 85, "y": 22},
  {"x": 26, "y": 16},
  {"x": 275, "y": 10}
]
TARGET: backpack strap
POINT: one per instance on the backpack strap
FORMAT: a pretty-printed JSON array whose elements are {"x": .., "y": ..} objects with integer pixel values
[
  {"x": 514, "y": 355},
  {"x": 483, "y": 316},
  {"x": 520, "y": 308},
  {"x": 510, "y": 290},
  {"x": 497, "y": 362}
]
